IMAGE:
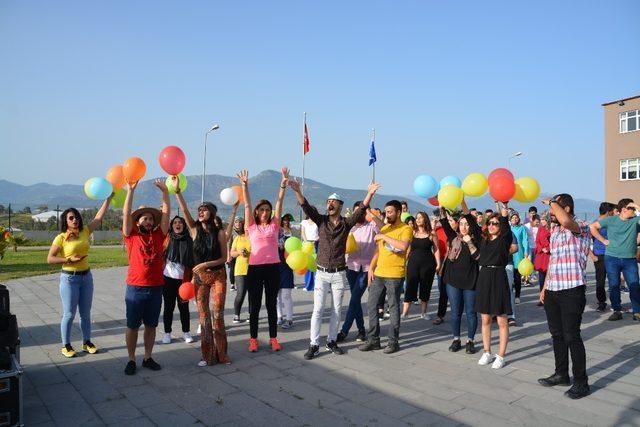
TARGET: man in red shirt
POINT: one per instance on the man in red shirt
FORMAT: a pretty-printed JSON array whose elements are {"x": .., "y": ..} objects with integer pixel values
[
  {"x": 144, "y": 232},
  {"x": 442, "y": 246}
]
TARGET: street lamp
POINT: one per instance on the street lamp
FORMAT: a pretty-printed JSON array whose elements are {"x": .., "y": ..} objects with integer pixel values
[
  {"x": 518, "y": 154},
  {"x": 204, "y": 159}
]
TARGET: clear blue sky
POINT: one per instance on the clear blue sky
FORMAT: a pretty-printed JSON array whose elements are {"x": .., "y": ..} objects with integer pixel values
[{"x": 451, "y": 87}]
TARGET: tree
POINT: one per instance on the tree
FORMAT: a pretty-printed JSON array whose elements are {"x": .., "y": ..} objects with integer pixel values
[
  {"x": 43, "y": 208},
  {"x": 16, "y": 240},
  {"x": 3, "y": 209},
  {"x": 26, "y": 210}
]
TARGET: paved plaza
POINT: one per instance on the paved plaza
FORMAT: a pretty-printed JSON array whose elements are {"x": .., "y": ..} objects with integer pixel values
[{"x": 422, "y": 384}]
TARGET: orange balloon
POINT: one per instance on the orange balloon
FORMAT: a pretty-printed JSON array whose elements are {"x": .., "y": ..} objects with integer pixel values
[
  {"x": 134, "y": 169},
  {"x": 238, "y": 191},
  {"x": 301, "y": 272},
  {"x": 116, "y": 177}
]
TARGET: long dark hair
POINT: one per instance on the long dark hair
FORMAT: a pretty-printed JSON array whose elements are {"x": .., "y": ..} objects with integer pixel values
[
  {"x": 63, "y": 219},
  {"x": 427, "y": 222},
  {"x": 206, "y": 240},
  {"x": 256, "y": 218},
  {"x": 485, "y": 228}
]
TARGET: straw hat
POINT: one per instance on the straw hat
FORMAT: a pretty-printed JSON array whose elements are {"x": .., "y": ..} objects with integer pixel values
[{"x": 144, "y": 210}]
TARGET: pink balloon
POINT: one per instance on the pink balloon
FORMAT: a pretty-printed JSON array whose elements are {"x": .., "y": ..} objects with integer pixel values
[
  {"x": 172, "y": 160},
  {"x": 433, "y": 201}
]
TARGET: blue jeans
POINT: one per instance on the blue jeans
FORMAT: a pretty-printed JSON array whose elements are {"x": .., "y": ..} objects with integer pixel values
[
  {"x": 509, "y": 270},
  {"x": 310, "y": 276},
  {"x": 629, "y": 269},
  {"x": 358, "y": 284},
  {"x": 458, "y": 298},
  {"x": 76, "y": 293}
]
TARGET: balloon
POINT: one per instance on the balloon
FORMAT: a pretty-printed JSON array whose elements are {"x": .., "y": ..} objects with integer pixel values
[
  {"x": 450, "y": 196},
  {"x": 187, "y": 291},
  {"x": 293, "y": 244},
  {"x": 311, "y": 263},
  {"x": 182, "y": 183},
  {"x": 425, "y": 186},
  {"x": 352, "y": 245},
  {"x": 238, "y": 191},
  {"x": 301, "y": 272},
  {"x": 475, "y": 184},
  {"x": 404, "y": 216},
  {"x": 115, "y": 176},
  {"x": 134, "y": 169},
  {"x": 97, "y": 188},
  {"x": 118, "y": 198},
  {"x": 172, "y": 160},
  {"x": 308, "y": 247},
  {"x": 297, "y": 260},
  {"x": 527, "y": 189},
  {"x": 500, "y": 172},
  {"x": 433, "y": 201},
  {"x": 525, "y": 267},
  {"x": 502, "y": 188},
  {"x": 450, "y": 180},
  {"x": 228, "y": 196}
]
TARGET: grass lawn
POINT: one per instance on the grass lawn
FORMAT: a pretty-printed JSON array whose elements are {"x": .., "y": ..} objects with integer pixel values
[{"x": 33, "y": 262}]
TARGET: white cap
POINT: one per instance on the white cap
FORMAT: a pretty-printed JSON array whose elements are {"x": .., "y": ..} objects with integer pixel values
[{"x": 335, "y": 196}]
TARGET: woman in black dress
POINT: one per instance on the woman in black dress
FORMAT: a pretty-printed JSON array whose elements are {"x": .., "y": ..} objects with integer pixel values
[
  {"x": 492, "y": 288},
  {"x": 423, "y": 262},
  {"x": 460, "y": 273}
]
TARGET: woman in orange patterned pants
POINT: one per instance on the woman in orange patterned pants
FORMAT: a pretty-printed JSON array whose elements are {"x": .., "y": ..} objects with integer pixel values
[{"x": 212, "y": 285}]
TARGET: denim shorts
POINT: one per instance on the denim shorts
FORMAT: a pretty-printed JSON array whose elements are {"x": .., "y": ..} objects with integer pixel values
[{"x": 143, "y": 305}]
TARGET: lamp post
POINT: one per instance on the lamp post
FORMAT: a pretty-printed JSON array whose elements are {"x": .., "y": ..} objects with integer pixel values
[
  {"x": 204, "y": 159},
  {"x": 518, "y": 154}
]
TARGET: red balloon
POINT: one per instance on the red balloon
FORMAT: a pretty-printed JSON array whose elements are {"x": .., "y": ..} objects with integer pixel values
[
  {"x": 433, "y": 201},
  {"x": 187, "y": 291},
  {"x": 502, "y": 188},
  {"x": 172, "y": 160},
  {"x": 500, "y": 172}
]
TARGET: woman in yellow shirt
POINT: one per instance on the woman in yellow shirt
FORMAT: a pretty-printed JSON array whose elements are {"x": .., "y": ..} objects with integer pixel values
[
  {"x": 71, "y": 249},
  {"x": 240, "y": 250}
]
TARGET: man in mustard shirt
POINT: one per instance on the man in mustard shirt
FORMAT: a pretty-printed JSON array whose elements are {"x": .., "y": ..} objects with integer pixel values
[{"x": 387, "y": 271}]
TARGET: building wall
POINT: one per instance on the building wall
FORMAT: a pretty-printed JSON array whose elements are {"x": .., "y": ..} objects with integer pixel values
[{"x": 619, "y": 146}]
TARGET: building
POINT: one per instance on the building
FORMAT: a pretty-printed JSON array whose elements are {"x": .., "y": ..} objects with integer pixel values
[
  {"x": 622, "y": 149},
  {"x": 44, "y": 216}
]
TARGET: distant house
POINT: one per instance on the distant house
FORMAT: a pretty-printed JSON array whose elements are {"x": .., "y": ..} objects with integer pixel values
[{"x": 44, "y": 216}]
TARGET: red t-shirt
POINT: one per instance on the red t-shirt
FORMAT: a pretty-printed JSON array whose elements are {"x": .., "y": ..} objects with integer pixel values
[
  {"x": 442, "y": 241},
  {"x": 146, "y": 260}
]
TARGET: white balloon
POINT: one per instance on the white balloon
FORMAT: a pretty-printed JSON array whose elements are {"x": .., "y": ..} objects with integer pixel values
[{"x": 228, "y": 196}]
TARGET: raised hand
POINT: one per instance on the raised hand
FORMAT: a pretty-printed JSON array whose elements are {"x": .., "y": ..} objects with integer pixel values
[
  {"x": 285, "y": 176},
  {"x": 132, "y": 185},
  {"x": 175, "y": 184},
  {"x": 243, "y": 177},
  {"x": 294, "y": 184},
  {"x": 161, "y": 185},
  {"x": 373, "y": 187}
]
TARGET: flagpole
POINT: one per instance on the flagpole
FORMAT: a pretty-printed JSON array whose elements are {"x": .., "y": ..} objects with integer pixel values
[
  {"x": 373, "y": 139},
  {"x": 304, "y": 124}
]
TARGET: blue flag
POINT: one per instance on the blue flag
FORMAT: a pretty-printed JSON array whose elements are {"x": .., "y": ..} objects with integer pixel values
[{"x": 372, "y": 153}]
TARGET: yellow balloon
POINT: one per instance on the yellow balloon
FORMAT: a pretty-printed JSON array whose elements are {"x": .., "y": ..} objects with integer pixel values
[
  {"x": 450, "y": 196},
  {"x": 527, "y": 189},
  {"x": 475, "y": 184},
  {"x": 297, "y": 260},
  {"x": 352, "y": 245},
  {"x": 525, "y": 267},
  {"x": 308, "y": 248}
]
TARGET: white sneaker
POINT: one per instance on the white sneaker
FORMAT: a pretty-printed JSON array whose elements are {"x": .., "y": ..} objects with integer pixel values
[
  {"x": 498, "y": 363},
  {"x": 202, "y": 363},
  {"x": 517, "y": 300},
  {"x": 287, "y": 324},
  {"x": 485, "y": 359},
  {"x": 166, "y": 339},
  {"x": 199, "y": 330},
  {"x": 425, "y": 316},
  {"x": 187, "y": 338}
]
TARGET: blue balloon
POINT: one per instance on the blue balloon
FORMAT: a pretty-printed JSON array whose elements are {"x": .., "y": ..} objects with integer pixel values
[
  {"x": 451, "y": 180},
  {"x": 426, "y": 186},
  {"x": 97, "y": 188}
]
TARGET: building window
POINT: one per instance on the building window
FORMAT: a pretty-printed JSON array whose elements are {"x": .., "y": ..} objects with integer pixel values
[
  {"x": 629, "y": 169},
  {"x": 629, "y": 121}
]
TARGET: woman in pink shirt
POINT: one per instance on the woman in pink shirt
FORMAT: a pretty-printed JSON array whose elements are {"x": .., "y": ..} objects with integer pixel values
[{"x": 264, "y": 259}]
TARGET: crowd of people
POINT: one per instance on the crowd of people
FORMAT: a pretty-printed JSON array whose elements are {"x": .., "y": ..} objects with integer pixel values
[{"x": 474, "y": 256}]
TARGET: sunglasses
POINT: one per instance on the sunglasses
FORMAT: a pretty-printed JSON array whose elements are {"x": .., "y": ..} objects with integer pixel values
[
  {"x": 71, "y": 218},
  {"x": 496, "y": 223},
  {"x": 630, "y": 208}
]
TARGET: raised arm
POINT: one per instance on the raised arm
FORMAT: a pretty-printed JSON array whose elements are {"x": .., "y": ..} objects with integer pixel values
[
  {"x": 243, "y": 177},
  {"x": 309, "y": 210},
  {"x": 183, "y": 205},
  {"x": 376, "y": 219},
  {"x": 564, "y": 219},
  {"x": 444, "y": 221},
  {"x": 595, "y": 232},
  {"x": 127, "y": 219},
  {"x": 100, "y": 214},
  {"x": 283, "y": 185},
  {"x": 465, "y": 208},
  {"x": 229, "y": 230},
  {"x": 361, "y": 211},
  {"x": 166, "y": 205}
]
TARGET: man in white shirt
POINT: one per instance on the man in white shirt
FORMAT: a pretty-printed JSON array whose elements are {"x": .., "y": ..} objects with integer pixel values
[{"x": 309, "y": 233}]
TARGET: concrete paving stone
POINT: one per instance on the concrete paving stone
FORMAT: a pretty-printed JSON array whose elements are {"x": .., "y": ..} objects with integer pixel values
[
  {"x": 255, "y": 411},
  {"x": 138, "y": 422},
  {"x": 143, "y": 395},
  {"x": 169, "y": 414},
  {"x": 118, "y": 411},
  {"x": 425, "y": 418},
  {"x": 477, "y": 418},
  {"x": 35, "y": 412},
  {"x": 554, "y": 404},
  {"x": 396, "y": 408},
  {"x": 73, "y": 413},
  {"x": 359, "y": 415},
  {"x": 488, "y": 404}
]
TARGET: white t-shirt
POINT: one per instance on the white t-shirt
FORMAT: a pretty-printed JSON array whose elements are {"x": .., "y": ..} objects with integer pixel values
[
  {"x": 532, "y": 232},
  {"x": 173, "y": 270},
  {"x": 310, "y": 230}
]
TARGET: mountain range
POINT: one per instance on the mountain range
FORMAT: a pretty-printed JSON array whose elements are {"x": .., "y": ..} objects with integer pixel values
[{"x": 262, "y": 186}]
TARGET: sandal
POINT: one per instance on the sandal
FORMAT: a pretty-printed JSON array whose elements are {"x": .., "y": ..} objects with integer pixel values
[{"x": 438, "y": 320}]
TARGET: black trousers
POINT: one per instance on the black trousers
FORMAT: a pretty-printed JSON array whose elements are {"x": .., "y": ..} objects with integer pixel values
[
  {"x": 601, "y": 277},
  {"x": 444, "y": 299},
  {"x": 564, "y": 315},
  {"x": 265, "y": 277},
  {"x": 517, "y": 281},
  {"x": 170, "y": 296},
  {"x": 241, "y": 293},
  {"x": 232, "y": 266},
  {"x": 382, "y": 298}
]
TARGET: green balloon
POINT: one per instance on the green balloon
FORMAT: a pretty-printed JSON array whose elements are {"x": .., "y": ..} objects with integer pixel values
[
  {"x": 292, "y": 244},
  {"x": 312, "y": 265},
  {"x": 118, "y": 198},
  {"x": 404, "y": 216},
  {"x": 182, "y": 183}
]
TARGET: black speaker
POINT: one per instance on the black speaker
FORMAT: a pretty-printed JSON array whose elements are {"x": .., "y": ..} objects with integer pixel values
[{"x": 11, "y": 395}]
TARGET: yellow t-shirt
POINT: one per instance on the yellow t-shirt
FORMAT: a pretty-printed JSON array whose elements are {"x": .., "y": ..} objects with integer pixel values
[
  {"x": 76, "y": 246},
  {"x": 391, "y": 263},
  {"x": 242, "y": 262}
]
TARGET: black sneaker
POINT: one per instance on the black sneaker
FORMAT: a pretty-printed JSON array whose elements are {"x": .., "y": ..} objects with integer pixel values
[
  {"x": 616, "y": 315},
  {"x": 370, "y": 345},
  {"x": 312, "y": 352},
  {"x": 361, "y": 337},
  {"x": 602, "y": 307},
  {"x": 455, "y": 346},
  {"x": 391, "y": 348},
  {"x": 512, "y": 322},
  {"x": 578, "y": 391},
  {"x": 333, "y": 348},
  {"x": 381, "y": 315},
  {"x": 554, "y": 380},
  {"x": 341, "y": 337},
  {"x": 131, "y": 368},
  {"x": 238, "y": 319},
  {"x": 470, "y": 347},
  {"x": 151, "y": 364}
]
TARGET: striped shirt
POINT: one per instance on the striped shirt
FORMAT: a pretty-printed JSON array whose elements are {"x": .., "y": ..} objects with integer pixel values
[{"x": 568, "y": 262}]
